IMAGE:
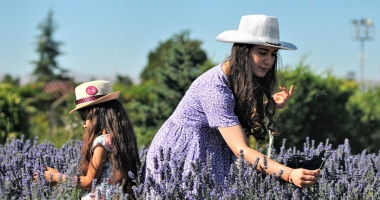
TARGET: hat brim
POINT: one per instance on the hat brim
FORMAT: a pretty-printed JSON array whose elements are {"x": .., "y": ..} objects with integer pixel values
[
  {"x": 234, "y": 36},
  {"x": 108, "y": 97}
]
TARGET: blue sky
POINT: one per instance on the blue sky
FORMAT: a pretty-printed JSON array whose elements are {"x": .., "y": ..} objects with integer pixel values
[{"x": 105, "y": 38}]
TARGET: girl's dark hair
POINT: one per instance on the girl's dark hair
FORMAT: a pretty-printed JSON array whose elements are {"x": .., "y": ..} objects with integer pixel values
[
  {"x": 111, "y": 117},
  {"x": 249, "y": 91}
]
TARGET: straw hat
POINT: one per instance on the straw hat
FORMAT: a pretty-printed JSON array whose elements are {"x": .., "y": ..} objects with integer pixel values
[
  {"x": 256, "y": 29},
  {"x": 92, "y": 93}
]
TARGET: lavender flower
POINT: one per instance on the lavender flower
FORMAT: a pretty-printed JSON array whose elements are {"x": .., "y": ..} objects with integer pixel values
[
  {"x": 265, "y": 161},
  {"x": 344, "y": 176}
]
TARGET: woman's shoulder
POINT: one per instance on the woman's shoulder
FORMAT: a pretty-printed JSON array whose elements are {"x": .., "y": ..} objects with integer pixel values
[
  {"x": 103, "y": 140},
  {"x": 215, "y": 71},
  {"x": 213, "y": 76}
]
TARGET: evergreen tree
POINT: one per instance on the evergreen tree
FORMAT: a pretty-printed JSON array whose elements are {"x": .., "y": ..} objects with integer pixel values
[
  {"x": 171, "y": 68},
  {"x": 9, "y": 79},
  {"x": 47, "y": 68},
  {"x": 182, "y": 65},
  {"x": 156, "y": 59},
  {"x": 124, "y": 80}
]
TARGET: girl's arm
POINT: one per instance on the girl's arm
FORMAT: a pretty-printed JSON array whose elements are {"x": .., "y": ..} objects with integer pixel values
[
  {"x": 94, "y": 171},
  {"x": 236, "y": 140},
  {"x": 99, "y": 158}
]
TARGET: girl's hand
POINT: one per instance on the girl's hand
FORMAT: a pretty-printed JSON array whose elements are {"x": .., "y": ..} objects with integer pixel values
[
  {"x": 48, "y": 174},
  {"x": 281, "y": 98},
  {"x": 304, "y": 178},
  {"x": 51, "y": 170},
  {"x": 35, "y": 174}
]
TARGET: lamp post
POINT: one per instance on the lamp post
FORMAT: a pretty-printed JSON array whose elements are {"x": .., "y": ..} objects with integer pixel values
[{"x": 364, "y": 30}]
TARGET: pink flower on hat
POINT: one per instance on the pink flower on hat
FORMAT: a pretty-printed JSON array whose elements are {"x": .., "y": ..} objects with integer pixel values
[{"x": 91, "y": 90}]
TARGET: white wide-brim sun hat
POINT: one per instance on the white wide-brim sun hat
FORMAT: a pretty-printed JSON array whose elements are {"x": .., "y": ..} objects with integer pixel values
[
  {"x": 256, "y": 29},
  {"x": 92, "y": 93}
]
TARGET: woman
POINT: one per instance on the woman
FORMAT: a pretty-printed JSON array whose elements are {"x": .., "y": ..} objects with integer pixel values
[{"x": 230, "y": 102}]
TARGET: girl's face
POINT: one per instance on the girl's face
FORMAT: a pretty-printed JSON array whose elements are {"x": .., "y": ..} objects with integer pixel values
[
  {"x": 83, "y": 115},
  {"x": 263, "y": 59},
  {"x": 86, "y": 124}
]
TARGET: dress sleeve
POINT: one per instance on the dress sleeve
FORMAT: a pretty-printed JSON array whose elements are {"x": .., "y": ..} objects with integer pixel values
[
  {"x": 218, "y": 105},
  {"x": 103, "y": 140}
]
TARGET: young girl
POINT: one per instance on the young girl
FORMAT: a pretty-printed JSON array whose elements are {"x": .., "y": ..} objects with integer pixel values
[
  {"x": 109, "y": 144},
  {"x": 230, "y": 102}
]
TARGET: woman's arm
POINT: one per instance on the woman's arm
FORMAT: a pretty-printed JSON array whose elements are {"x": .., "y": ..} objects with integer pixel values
[
  {"x": 236, "y": 140},
  {"x": 95, "y": 167}
]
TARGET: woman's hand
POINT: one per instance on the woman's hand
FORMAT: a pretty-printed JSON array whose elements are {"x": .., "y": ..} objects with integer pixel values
[
  {"x": 303, "y": 177},
  {"x": 281, "y": 98}
]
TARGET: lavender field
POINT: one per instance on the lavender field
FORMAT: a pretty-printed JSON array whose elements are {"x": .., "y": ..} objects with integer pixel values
[{"x": 344, "y": 176}]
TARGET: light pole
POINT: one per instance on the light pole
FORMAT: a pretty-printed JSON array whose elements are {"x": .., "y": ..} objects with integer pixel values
[{"x": 364, "y": 30}]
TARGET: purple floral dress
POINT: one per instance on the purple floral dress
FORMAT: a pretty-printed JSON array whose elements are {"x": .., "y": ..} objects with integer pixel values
[
  {"x": 192, "y": 130},
  {"x": 105, "y": 141}
]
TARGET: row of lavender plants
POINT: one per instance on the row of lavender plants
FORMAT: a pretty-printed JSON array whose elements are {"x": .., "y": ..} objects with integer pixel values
[{"x": 344, "y": 176}]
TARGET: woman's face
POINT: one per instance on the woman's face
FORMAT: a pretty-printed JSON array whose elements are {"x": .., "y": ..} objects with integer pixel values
[{"x": 263, "y": 59}]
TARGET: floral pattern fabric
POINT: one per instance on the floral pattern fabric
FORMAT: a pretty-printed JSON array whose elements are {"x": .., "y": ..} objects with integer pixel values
[
  {"x": 192, "y": 130},
  {"x": 102, "y": 183}
]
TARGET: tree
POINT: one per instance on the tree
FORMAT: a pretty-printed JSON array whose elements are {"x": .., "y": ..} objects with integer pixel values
[
  {"x": 47, "y": 68},
  {"x": 9, "y": 79},
  {"x": 171, "y": 68},
  {"x": 156, "y": 59},
  {"x": 182, "y": 66},
  {"x": 125, "y": 80},
  {"x": 364, "y": 110},
  {"x": 317, "y": 108},
  {"x": 14, "y": 115}
]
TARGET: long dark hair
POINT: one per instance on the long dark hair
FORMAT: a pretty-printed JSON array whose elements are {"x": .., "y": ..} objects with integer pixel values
[
  {"x": 111, "y": 117},
  {"x": 249, "y": 91}
]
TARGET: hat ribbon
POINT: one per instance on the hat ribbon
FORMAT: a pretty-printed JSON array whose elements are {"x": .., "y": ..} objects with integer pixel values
[
  {"x": 87, "y": 99},
  {"x": 274, "y": 44}
]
